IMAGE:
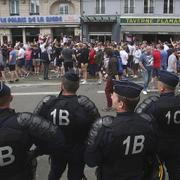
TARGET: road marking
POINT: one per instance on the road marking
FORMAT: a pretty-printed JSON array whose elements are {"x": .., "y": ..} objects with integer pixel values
[
  {"x": 44, "y": 84},
  {"x": 57, "y": 92},
  {"x": 151, "y": 91},
  {"x": 33, "y": 84},
  {"x": 100, "y": 92},
  {"x": 35, "y": 93}
]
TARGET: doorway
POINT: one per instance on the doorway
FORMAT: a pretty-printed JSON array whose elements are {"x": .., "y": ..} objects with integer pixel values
[{"x": 16, "y": 35}]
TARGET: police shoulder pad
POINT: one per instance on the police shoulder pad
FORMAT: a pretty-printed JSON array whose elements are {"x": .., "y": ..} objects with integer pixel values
[
  {"x": 107, "y": 120},
  {"x": 48, "y": 98},
  {"x": 146, "y": 116},
  {"x": 145, "y": 104},
  {"x": 44, "y": 104}
]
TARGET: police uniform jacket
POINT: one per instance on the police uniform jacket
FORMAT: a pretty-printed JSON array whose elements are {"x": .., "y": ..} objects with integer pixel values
[
  {"x": 18, "y": 132},
  {"x": 166, "y": 111},
  {"x": 73, "y": 114},
  {"x": 120, "y": 146}
]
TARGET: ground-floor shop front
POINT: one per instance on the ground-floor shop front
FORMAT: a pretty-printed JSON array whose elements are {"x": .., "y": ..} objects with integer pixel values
[
  {"x": 151, "y": 29},
  {"x": 150, "y": 37},
  {"x": 28, "y": 29},
  {"x": 118, "y": 28},
  {"x": 32, "y": 34},
  {"x": 99, "y": 28}
]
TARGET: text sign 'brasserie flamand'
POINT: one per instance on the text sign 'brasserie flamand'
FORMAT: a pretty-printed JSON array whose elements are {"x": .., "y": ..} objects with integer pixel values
[
  {"x": 39, "y": 19},
  {"x": 150, "y": 21}
]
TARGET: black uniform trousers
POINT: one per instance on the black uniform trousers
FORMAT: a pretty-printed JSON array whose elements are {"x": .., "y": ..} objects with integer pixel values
[{"x": 75, "y": 162}]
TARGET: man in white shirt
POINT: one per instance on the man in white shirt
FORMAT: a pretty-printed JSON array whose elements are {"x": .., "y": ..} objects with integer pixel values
[
  {"x": 21, "y": 61},
  {"x": 124, "y": 57},
  {"x": 132, "y": 48},
  {"x": 172, "y": 62},
  {"x": 136, "y": 58},
  {"x": 45, "y": 58}
]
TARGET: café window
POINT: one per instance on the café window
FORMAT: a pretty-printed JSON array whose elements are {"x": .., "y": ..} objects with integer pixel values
[
  {"x": 34, "y": 7},
  {"x": 128, "y": 6},
  {"x": 149, "y": 6},
  {"x": 64, "y": 9},
  {"x": 168, "y": 6},
  {"x": 14, "y": 7}
]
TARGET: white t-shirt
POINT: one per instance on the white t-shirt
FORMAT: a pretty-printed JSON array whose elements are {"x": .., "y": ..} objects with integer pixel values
[
  {"x": 106, "y": 61},
  {"x": 21, "y": 53},
  {"x": 124, "y": 57},
  {"x": 172, "y": 61},
  {"x": 42, "y": 46},
  {"x": 131, "y": 49},
  {"x": 65, "y": 40},
  {"x": 166, "y": 47},
  {"x": 137, "y": 55}
]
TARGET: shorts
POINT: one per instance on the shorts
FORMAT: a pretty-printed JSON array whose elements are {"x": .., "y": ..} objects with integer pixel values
[
  {"x": 155, "y": 72},
  {"x": 98, "y": 67},
  {"x": 36, "y": 62},
  {"x": 12, "y": 67},
  {"x": 68, "y": 66},
  {"x": 130, "y": 61},
  {"x": 59, "y": 62},
  {"x": 21, "y": 62},
  {"x": 29, "y": 63},
  {"x": 124, "y": 66},
  {"x": 135, "y": 66},
  {"x": 84, "y": 66},
  {"x": 1, "y": 67}
]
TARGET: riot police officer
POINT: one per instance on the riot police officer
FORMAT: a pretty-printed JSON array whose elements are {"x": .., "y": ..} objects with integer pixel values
[
  {"x": 74, "y": 115},
  {"x": 166, "y": 111},
  {"x": 121, "y": 145},
  {"x": 18, "y": 132}
]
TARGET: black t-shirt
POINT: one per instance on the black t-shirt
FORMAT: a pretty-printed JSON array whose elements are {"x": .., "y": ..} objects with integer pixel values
[{"x": 67, "y": 54}]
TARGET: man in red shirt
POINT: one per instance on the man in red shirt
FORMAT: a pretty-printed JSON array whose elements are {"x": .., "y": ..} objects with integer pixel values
[
  {"x": 92, "y": 65},
  {"x": 156, "y": 64}
]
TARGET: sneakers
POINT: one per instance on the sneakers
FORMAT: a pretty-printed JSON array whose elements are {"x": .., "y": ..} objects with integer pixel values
[
  {"x": 144, "y": 92},
  {"x": 84, "y": 82},
  {"x": 11, "y": 81},
  {"x": 99, "y": 82},
  {"x": 27, "y": 74}
]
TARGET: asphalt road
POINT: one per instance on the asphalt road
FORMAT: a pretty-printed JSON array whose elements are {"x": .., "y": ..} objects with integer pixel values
[{"x": 27, "y": 96}]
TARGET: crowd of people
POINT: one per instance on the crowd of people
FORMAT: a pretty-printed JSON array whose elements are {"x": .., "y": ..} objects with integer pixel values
[{"x": 135, "y": 59}]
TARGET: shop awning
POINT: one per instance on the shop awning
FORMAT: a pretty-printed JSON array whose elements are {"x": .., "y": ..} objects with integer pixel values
[{"x": 99, "y": 18}]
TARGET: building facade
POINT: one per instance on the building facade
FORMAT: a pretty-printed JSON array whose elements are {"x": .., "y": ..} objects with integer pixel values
[
  {"x": 24, "y": 20},
  {"x": 150, "y": 20},
  {"x": 102, "y": 20}
]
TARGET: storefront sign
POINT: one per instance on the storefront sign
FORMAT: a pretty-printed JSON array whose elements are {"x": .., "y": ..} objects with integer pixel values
[
  {"x": 14, "y": 20},
  {"x": 166, "y": 21}
]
